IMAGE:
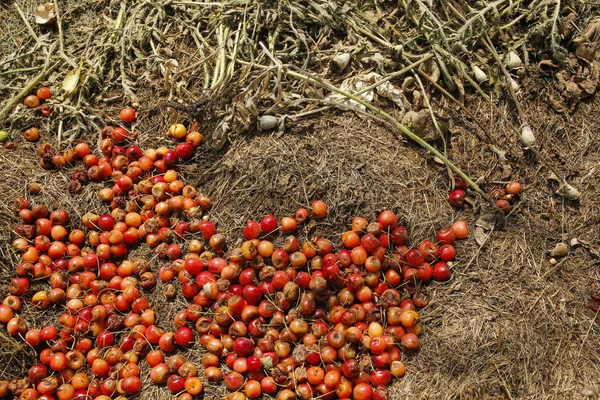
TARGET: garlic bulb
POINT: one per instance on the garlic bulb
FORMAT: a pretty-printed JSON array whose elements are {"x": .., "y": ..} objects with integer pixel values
[
  {"x": 478, "y": 73},
  {"x": 513, "y": 60},
  {"x": 342, "y": 60},
  {"x": 267, "y": 122},
  {"x": 527, "y": 135},
  {"x": 514, "y": 85}
]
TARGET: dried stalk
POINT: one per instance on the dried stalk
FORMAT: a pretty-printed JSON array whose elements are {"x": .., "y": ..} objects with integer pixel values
[{"x": 396, "y": 74}]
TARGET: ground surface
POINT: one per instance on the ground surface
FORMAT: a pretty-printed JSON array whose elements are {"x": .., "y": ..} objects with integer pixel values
[{"x": 508, "y": 325}]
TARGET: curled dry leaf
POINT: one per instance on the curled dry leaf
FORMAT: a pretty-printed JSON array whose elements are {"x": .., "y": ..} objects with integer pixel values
[
  {"x": 409, "y": 84},
  {"x": 221, "y": 132},
  {"x": 171, "y": 65},
  {"x": 45, "y": 14},
  {"x": 432, "y": 69},
  {"x": 569, "y": 192},
  {"x": 566, "y": 190},
  {"x": 586, "y": 42},
  {"x": 570, "y": 24},
  {"x": 360, "y": 82},
  {"x": 506, "y": 168},
  {"x": 480, "y": 236},
  {"x": 486, "y": 221},
  {"x": 421, "y": 124},
  {"x": 71, "y": 81}
]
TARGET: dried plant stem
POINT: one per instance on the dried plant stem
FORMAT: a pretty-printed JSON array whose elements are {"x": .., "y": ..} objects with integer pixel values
[
  {"x": 369, "y": 34},
  {"x": 29, "y": 28},
  {"x": 370, "y": 87},
  {"x": 15, "y": 71},
  {"x": 231, "y": 68},
  {"x": 13, "y": 102},
  {"x": 220, "y": 66},
  {"x": 398, "y": 125},
  {"x": 435, "y": 122},
  {"x": 396, "y": 74},
  {"x": 488, "y": 43},
  {"x": 480, "y": 14},
  {"x": 197, "y": 36}
]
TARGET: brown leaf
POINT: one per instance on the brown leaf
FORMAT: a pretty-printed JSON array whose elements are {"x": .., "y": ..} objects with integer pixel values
[
  {"x": 480, "y": 236},
  {"x": 588, "y": 85}
]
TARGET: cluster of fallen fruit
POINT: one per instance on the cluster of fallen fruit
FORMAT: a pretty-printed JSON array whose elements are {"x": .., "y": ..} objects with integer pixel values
[
  {"x": 503, "y": 198},
  {"x": 296, "y": 320}
]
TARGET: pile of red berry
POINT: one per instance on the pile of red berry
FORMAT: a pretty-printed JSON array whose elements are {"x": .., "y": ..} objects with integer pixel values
[{"x": 289, "y": 316}]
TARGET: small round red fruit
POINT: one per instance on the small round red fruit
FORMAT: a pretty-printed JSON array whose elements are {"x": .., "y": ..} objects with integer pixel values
[
  {"x": 251, "y": 230},
  {"x": 184, "y": 336},
  {"x": 441, "y": 272},
  {"x": 503, "y": 205},
  {"x": 362, "y": 391},
  {"x": 127, "y": 114},
  {"x": 447, "y": 252},
  {"x": 513, "y": 188},
  {"x": 268, "y": 224},
  {"x": 44, "y": 93},
  {"x": 445, "y": 236},
  {"x": 457, "y": 198},
  {"x": 414, "y": 257},
  {"x": 319, "y": 209},
  {"x": 184, "y": 151},
  {"x": 461, "y": 230}
]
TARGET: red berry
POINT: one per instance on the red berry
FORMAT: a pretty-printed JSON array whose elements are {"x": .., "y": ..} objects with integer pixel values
[{"x": 441, "y": 272}]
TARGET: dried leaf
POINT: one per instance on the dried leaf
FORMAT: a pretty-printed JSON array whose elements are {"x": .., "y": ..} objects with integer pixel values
[
  {"x": 486, "y": 221},
  {"x": 506, "y": 167},
  {"x": 588, "y": 85},
  {"x": 570, "y": 23},
  {"x": 557, "y": 105},
  {"x": 221, "y": 133},
  {"x": 569, "y": 192},
  {"x": 422, "y": 124},
  {"x": 590, "y": 34},
  {"x": 71, "y": 81},
  {"x": 480, "y": 236},
  {"x": 547, "y": 63},
  {"x": 586, "y": 42}
]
